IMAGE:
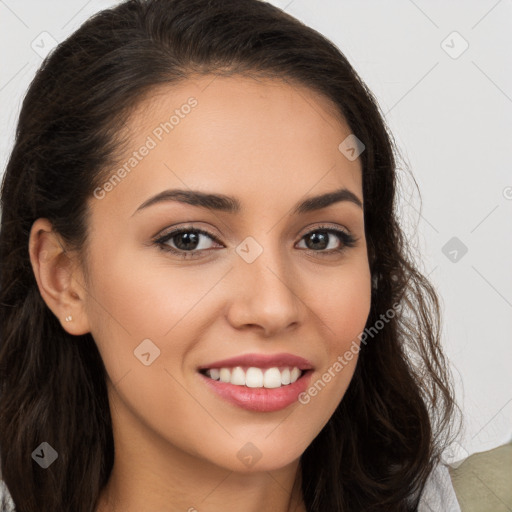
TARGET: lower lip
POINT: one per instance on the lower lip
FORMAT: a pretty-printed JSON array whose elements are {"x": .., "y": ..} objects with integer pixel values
[{"x": 260, "y": 399}]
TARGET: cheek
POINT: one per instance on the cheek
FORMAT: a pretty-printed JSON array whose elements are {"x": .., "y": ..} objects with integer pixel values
[
  {"x": 158, "y": 310},
  {"x": 136, "y": 298},
  {"x": 342, "y": 304},
  {"x": 343, "y": 310},
  {"x": 145, "y": 297}
]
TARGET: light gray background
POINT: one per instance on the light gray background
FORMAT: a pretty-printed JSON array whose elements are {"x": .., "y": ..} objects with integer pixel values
[{"x": 451, "y": 115}]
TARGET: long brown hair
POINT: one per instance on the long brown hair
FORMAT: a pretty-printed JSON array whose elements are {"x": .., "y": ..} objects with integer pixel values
[{"x": 380, "y": 445}]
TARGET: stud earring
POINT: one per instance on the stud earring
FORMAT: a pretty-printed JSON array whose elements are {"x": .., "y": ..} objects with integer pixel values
[{"x": 69, "y": 318}]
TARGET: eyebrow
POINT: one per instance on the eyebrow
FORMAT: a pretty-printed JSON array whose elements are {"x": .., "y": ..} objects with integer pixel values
[{"x": 228, "y": 204}]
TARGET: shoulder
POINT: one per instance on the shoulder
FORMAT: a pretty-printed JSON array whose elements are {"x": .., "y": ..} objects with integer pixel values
[{"x": 482, "y": 481}]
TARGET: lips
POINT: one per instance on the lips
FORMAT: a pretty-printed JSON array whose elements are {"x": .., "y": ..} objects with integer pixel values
[{"x": 258, "y": 382}]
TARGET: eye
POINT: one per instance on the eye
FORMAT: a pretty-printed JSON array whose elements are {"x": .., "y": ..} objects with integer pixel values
[
  {"x": 186, "y": 242},
  {"x": 326, "y": 240}
]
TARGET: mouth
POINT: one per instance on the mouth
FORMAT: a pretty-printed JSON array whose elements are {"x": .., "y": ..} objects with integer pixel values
[{"x": 256, "y": 382}]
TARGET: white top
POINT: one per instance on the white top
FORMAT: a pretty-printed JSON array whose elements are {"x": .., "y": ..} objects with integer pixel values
[
  {"x": 438, "y": 494},
  {"x": 4, "y": 493}
]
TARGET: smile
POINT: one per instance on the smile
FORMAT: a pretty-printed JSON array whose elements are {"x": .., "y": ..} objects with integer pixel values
[{"x": 258, "y": 382}]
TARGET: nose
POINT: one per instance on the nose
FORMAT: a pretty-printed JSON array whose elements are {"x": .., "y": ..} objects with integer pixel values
[{"x": 265, "y": 294}]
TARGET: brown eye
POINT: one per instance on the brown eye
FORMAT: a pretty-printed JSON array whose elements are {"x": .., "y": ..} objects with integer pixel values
[
  {"x": 186, "y": 242},
  {"x": 328, "y": 240}
]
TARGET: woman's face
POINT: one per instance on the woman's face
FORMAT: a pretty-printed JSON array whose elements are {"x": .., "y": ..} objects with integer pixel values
[{"x": 267, "y": 277}]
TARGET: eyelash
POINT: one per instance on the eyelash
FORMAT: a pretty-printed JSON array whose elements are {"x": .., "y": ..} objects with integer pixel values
[{"x": 347, "y": 239}]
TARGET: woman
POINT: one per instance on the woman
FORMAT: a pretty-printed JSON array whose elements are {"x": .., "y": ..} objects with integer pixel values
[{"x": 206, "y": 298}]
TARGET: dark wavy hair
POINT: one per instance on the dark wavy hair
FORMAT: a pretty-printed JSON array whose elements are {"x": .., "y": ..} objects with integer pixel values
[{"x": 387, "y": 433}]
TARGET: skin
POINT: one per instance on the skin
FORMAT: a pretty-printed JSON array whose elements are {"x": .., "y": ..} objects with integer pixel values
[{"x": 271, "y": 145}]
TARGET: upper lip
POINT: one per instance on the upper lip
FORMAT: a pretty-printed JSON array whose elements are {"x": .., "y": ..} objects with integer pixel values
[{"x": 261, "y": 361}]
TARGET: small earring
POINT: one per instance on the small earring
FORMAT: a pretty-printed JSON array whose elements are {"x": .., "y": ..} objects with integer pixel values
[{"x": 69, "y": 318}]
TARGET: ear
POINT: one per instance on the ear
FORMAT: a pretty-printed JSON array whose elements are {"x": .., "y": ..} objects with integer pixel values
[{"x": 58, "y": 279}]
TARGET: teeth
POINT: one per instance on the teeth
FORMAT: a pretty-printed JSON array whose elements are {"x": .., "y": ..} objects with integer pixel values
[
  {"x": 253, "y": 378},
  {"x": 225, "y": 374},
  {"x": 285, "y": 377},
  {"x": 256, "y": 377},
  {"x": 238, "y": 376},
  {"x": 272, "y": 378},
  {"x": 295, "y": 374}
]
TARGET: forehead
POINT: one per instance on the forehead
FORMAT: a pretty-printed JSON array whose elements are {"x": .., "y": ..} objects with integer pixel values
[{"x": 271, "y": 137}]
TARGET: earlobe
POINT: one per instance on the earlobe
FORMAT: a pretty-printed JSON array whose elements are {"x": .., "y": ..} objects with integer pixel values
[{"x": 56, "y": 278}]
